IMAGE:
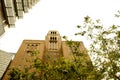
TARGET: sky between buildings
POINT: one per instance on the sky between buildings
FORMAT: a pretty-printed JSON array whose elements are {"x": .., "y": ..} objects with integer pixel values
[{"x": 60, "y": 15}]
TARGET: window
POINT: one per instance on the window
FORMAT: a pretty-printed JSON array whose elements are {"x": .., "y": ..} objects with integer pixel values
[
  {"x": 31, "y": 47},
  {"x": 53, "y": 32},
  {"x": 53, "y": 43}
]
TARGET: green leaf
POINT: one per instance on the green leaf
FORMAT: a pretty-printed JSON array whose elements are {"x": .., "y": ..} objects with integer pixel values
[
  {"x": 87, "y": 19},
  {"x": 78, "y": 26}
]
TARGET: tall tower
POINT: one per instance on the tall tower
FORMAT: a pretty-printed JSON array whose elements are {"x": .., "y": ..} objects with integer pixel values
[
  {"x": 53, "y": 44},
  {"x": 53, "y": 41}
]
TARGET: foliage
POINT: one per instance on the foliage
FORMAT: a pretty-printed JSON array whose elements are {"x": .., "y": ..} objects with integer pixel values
[
  {"x": 118, "y": 14},
  {"x": 61, "y": 69},
  {"x": 105, "y": 46},
  {"x": 104, "y": 50}
]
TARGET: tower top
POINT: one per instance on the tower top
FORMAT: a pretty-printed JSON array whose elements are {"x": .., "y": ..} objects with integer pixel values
[{"x": 53, "y": 32}]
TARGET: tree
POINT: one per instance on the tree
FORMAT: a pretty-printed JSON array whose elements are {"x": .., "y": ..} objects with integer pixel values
[
  {"x": 76, "y": 69},
  {"x": 104, "y": 47},
  {"x": 104, "y": 51}
]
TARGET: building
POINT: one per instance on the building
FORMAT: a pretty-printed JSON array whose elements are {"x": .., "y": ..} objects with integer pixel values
[
  {"x": 2, "y": 19},
  {"x": 51, "y": 48},
  {"x": 12, "y": 9},
  {"x": 5, "y": 59}
]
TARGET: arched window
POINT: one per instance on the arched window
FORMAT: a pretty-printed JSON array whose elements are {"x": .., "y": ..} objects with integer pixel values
[{"x": 53, "y": 43}]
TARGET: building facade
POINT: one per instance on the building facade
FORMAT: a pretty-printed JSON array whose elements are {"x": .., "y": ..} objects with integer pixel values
[
  {"x": 10, "y": 9},
  {"x": 51, "y": 48},
  {"x": 2, "y": 19},
  {"x": 5, "y": 59}
]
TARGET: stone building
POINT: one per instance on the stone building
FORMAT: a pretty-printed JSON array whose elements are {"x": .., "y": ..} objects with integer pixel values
[
  {"x": 2, "y": 19},
  {"x": 10, "y": 9},
  {"x": 5, "y": 59},
  {"x": 52, "y": 47}
]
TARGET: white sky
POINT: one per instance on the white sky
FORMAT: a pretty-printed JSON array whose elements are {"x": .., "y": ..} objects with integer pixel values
[{"x": 61, "y": 15}]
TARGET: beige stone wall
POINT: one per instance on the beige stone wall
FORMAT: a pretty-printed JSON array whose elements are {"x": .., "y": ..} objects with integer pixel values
[
  {"x": 23, "y": 56},
  {"x": 2, "y": 20}
]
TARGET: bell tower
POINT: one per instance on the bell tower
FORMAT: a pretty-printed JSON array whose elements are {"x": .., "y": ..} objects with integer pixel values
[{"x": 53, "y": 41}]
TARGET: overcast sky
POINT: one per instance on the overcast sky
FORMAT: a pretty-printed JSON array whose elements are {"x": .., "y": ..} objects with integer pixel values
[{"x": 60, "y": 15}]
